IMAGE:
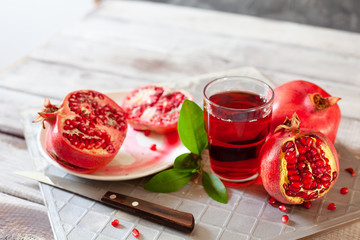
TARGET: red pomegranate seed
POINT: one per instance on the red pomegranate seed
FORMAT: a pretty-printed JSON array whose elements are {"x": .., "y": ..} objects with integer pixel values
[
  {"x": 272, "y": 201},
  {"x": 153, "y": 147},
  {"x": 285, "y": 218},
  {"x": 344, "y": 190},
  {"x": 351, "y": 171},
  {"x": 147, "y": 133},
  {"x": 115, "y": 223},
  {"x": 307, "y": 205},
  {"x": 135, "y": 232},
  {"x": 331, "y": 206},
  {"x": 282, "y": 208}
]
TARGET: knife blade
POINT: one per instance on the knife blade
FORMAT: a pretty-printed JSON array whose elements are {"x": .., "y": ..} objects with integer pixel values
[{"x": 169, "y": 217}]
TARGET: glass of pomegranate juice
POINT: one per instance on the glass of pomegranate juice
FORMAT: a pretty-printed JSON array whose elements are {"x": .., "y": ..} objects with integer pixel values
[{"x": 237, "y": 113}]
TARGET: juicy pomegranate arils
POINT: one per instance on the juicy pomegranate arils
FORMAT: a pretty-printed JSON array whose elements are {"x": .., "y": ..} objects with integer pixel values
[
  {"x": 298, "y": 164},
  {"x": 154, "y": 107},
  {"x": 85, "y": 132}
]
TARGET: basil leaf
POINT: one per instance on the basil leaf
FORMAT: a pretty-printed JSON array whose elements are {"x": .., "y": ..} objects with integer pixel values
[
  {"x": 214, "y": 187},
  {"x": 169, "y": 181},
  {"x": 191, "y": 127},
  {"x": 185, "y": 161}
]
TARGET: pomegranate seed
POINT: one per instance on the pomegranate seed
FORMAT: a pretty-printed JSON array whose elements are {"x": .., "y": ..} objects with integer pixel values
[
  {"x": 307, "y": 205},
  {"x": 153, "y": 147},
  {"x": 351, "y": 171},
  {"x": 147, "y": 133},
  {"x": 282, "y": 208},
  {"x": 115, "y": 223},
  {"x": 135, "y": 232},
  {"x": 344, "y": 190},
  {"x": 285, "y": 218},
  {"x": 331, "y": 206},
  {"x": 272, "y": 201}
]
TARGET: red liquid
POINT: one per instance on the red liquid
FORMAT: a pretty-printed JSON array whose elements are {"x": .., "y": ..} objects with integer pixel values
[{"x": 236, "y": 137}]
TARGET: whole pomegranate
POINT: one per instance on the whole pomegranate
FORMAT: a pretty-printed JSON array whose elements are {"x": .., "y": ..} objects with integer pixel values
[
  {"x": 85, "y": 132},
  {"x": 314, "y": 106},
  {"x": 154, "y": 107},
  {"x": 298, "y": 164}
]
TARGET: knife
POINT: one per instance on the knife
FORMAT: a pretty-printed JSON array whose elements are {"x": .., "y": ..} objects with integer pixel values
[{"x": 182, "y": 221}]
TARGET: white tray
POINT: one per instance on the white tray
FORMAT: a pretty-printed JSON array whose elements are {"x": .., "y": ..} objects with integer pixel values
[{"x": 246, "y": 216}]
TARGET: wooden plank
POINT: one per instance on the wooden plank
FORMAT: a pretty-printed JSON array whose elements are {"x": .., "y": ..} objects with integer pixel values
[
  {"x": 238, "y": 25},
  {"x": 161, "y": 52},
  {"x": 15, "y": 157},
  {"x": 55, "y": 80},
  {"x": 20, "y": 219},
  {"x": 11, "y": 105}
]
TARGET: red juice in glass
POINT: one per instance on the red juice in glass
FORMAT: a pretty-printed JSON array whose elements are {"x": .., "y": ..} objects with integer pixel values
[{"x": 237, "y": 113}]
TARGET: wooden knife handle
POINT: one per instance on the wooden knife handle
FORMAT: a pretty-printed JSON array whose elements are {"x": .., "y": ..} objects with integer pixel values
[{"x": 163, "y": 215}]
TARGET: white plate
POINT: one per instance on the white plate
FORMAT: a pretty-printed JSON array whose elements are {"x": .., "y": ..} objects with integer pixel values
[{"x": 135, "y": 159}]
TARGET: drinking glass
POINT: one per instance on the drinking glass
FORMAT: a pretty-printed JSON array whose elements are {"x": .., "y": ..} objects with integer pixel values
[{"x": 237, "y": 113}]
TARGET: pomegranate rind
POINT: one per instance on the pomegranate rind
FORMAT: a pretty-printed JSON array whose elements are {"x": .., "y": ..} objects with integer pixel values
[
  {"x": 273, "y": 169},
  {"x": 65, "y": 153},
  {"x": 150, "y": 118},
  {"x": 296, "y": 96}
]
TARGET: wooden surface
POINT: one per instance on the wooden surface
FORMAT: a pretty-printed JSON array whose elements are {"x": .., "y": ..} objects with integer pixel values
[{"x": 123, "y": 44}]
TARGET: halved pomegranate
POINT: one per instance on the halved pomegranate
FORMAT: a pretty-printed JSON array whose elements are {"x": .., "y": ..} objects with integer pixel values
[
  {"x": 154, "y": 107},
  {"x": 298, "y": 164},
  {"x": 85, "y": 132}
]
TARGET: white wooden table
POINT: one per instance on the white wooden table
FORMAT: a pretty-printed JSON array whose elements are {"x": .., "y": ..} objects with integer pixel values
[{"x": 123, "y": 44}]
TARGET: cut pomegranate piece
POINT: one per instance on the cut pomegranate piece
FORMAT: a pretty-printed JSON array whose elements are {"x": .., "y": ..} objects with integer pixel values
[
  {"x": 154, "y": 107},
  {"x": 282, "y": 208},
  {"x": 153, "y": 147},
  {"x": 115, "y": 223},
  {"x": 272, "y": 201},
  {"x": 331, "y": 206},
  {"x": 307, "y": 205},
  {"x": 298, "y": 164},
  {"x": 344, "y": 190},
  {"x": 351, "y": 171},
  {"x": 85, "y": 132},
  {"x": 285, "y": 218},
  {"x": 135, "y": 232}
]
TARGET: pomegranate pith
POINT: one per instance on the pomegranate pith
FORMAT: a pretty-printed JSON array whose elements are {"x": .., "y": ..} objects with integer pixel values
[
  {"x": 154, "y": 107},
  {"x": 298, "y": 164},
  {"x": 85, "y": 132}
]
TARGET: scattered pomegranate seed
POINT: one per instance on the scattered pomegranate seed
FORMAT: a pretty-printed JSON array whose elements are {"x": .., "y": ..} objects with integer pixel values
[
  {"x": 153, "y": 147},
  {"x": 307, "y": 205},
  {"x": 285, "y": 218},
  {"x": 135, "y": 232},
  {"x": 272, "y": 201},
  {"x": 147, "y": 133},
  {"x": 331, "y": 206},
  {"x": 115, "y": 223},
  {"x": 351, "y": 171},
  {"x": 344, "y": 190},
  {"x": 282, "y": 208}
]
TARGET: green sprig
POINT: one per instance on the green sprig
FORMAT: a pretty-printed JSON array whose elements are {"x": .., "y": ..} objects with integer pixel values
[{"x": 193, "y": 135}]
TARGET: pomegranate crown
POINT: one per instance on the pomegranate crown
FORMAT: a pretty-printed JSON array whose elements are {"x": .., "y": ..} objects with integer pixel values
[
  {"x": 46, "y": 113},
  {"x": 322, "y": 103},
  {"x": 290, "y": 125}
]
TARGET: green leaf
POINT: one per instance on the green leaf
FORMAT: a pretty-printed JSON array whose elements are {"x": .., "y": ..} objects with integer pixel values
[
  {"x": 185, "y": 161},
  {"x": 191, "y": 127},
  {"x": 169, "y": 180},
  {"x": 214, "y": 187}
]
